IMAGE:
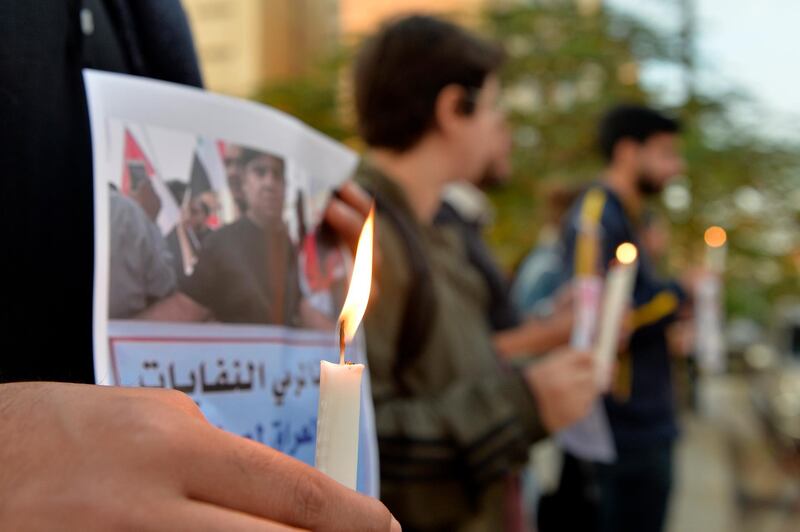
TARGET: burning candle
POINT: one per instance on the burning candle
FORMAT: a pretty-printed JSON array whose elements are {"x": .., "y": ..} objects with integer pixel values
[
  {"x": 616, "y": 298},
  {"x": 716, "y": 252},
  {"x": 340, "y": 384},
  {"x": 710, "y": 342}
]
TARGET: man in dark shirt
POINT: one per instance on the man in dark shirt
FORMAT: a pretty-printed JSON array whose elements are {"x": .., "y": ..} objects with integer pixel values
[
  {"x": 641, "y": 150},
  {"x": 247, "y": 272}
]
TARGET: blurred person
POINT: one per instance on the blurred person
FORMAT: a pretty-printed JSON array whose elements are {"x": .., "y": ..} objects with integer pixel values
[
  {"x": 466, "y": 207},
  {"x": 656, "y": 237},
  {"x": 641, "y": 150},
  {"x": 535, "y": 289},
  {"x": 453, "y": 423},
  {"x": 69, "y": 457}
]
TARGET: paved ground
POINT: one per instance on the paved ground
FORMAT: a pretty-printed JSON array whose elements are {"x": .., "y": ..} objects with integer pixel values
[{"x": 727, "y": 477}]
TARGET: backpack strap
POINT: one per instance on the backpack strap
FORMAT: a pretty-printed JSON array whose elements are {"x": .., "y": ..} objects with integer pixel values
[{"x": 416, "y": 323}]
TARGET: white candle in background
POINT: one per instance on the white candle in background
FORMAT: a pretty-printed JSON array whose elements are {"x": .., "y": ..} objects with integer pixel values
[
  {"x": 710, "y": 342},
  {"x": 716, "y": 249},
  {"x": 616, "y": 299},
  {"x": 340, "y": 384}
]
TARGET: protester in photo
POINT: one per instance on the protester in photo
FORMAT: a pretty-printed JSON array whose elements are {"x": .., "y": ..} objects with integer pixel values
[
  {"x": 247, "y": 271},
  {"x": 185, "y": 240},
  {"x": 140, "y": 265}
]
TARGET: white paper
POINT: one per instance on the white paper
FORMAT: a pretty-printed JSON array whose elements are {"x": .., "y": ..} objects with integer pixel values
[
  {"x": 590, "y": 438},
  {"x": 253, "y": 378}
]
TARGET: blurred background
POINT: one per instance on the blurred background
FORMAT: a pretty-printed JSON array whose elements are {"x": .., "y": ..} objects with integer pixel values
[{"x": 727, "y": 69}]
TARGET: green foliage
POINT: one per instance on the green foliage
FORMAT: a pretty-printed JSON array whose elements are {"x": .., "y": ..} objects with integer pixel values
[{"x": 564, "y": 69}]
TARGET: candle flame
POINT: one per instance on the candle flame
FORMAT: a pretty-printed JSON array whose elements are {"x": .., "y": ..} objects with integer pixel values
[
  {"x": 627, "y": 253},
  {"x": 715, "y": 236},
  {"x": 355, "y": 304}
]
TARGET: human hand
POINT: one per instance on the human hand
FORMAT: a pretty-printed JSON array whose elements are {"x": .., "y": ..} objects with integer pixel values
[
  {"x": 81, "y": 457},
  {"x": 563, "y": 385},
  {"x": 347, "y": 211}
]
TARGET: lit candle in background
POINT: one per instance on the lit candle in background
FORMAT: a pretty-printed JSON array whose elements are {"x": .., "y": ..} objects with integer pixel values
[
  {"x": 717, "y": 250},
  {"x": 340, "y": 384},
  {"x": 589, "y": 438},
  {"x": 616, "y": 299},
  {"x": 709, "y": 339}
]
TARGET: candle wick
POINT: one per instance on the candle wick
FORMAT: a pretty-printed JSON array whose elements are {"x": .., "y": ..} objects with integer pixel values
[{"x": 341, "y": 342}]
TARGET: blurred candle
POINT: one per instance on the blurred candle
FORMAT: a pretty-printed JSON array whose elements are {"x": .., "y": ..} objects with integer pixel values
[
  {"x": 716, "y": 250},
  {"x": 340, "y": 384},
  {"x": 710, "y": 342},
  {"x": 616, "y": 299}
]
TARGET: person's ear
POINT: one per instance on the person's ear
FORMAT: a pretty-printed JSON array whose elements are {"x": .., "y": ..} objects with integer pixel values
[
  {"x": 626, "y": 151},
  {"x": 449, "y": 109}
]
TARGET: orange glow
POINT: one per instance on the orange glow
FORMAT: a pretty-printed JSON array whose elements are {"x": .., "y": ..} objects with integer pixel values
[
  {"x": 715, "y": 236},
  {"x": 627, "y": 253},
  {"x": 355, "y": 304}
]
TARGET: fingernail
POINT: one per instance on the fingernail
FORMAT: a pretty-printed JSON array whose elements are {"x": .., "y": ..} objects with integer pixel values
[{"x": 396, "y": 526}]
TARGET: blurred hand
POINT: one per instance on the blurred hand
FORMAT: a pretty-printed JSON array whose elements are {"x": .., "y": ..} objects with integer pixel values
[
  {"x": 681, "y": 338},
  {"x": 563, "y": 300},
  {"x": 347, "y": 211},
  {"x": 627, "y": 328},
  {"x": 692, "y": 277},
  {"x": 564, "y": 387},
  {"x": 81, "y": 457}
]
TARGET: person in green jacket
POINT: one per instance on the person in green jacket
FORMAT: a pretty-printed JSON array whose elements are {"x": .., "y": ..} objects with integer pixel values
[{"x": 453, "y": 423}]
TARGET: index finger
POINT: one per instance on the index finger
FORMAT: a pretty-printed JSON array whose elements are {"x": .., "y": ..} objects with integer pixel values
[{"x": 244, "y": 475}]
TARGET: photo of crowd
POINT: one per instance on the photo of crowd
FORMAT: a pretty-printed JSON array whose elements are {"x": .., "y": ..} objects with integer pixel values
[{"x": 232, "y": 241}]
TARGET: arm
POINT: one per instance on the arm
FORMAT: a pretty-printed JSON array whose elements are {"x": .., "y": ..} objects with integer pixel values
[
  {"x": 535, "y": 336},
  {"x": 177, "y": 307}
]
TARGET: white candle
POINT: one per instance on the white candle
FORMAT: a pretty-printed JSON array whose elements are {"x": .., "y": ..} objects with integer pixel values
[
  {"x": 340, "y": 384},
  {"x": 337, "y": 421},
  {"x": 716, "y": 250},
  {"x": 616, "y": 299},
  {"x": 710, "y": 342}
]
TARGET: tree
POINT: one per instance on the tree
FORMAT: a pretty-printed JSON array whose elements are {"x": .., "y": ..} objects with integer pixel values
[{"x": 568, "y": 62}]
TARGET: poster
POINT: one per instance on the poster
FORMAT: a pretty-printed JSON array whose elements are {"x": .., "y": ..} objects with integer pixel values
[{"x": 214, "y": 274}]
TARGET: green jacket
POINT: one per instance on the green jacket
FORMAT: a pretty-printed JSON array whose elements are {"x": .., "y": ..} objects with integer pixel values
[{"x": 452, "y": 422}]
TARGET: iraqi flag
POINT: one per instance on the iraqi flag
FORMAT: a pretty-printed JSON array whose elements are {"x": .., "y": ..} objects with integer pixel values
[{"x": 138, "y": 164}]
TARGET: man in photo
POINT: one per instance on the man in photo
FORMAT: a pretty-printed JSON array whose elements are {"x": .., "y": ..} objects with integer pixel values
[{"x": 247, "y": 271}]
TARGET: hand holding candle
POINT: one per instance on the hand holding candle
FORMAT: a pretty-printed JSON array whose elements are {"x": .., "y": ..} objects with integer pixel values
[
  {"x": 340, "y": 384},
  {"x": 616, "y": 298}
]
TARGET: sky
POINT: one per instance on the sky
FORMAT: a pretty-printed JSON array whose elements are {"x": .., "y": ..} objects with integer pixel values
[{"x": 751, "y": 46}]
